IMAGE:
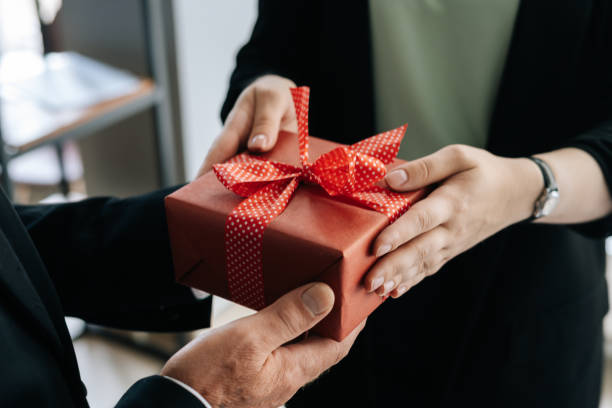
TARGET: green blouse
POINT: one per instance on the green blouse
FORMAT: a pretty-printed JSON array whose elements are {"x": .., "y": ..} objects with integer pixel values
[{"x": 437, "y": 66}]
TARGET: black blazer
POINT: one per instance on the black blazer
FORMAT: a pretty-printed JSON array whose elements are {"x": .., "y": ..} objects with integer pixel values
[
  {"x": 104, "y": 260},
  {"x": 516, "y": 321}
]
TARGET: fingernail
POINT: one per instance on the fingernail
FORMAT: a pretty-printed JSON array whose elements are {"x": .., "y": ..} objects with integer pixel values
[
  {"x": 258, "y": 141},
  {"x": 318, "y": 299},
  {"x": 401, "y": 290},
  {"x": 388, "y": 286},
  {"x": 376, "y": 283},
  {"x": 397, "y": 177},
  {"x": 383, "y": 250}
]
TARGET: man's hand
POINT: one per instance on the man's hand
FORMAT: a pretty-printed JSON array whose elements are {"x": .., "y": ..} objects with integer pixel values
[
  {"x": 247, "y": 363},
  {"x": 479, "y": 194},
  {"x": 263, "y": 108}
]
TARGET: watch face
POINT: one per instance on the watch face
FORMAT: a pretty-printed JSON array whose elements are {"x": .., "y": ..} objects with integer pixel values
[{"x": 550, "y": 203}]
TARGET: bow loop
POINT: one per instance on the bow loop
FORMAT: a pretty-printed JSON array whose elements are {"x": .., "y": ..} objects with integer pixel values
[
  {"x": 351, "y": 171},
  {"x": 384, "y": 146},
  {"x": 301, "y": 96},
  {"x": 245, "y": 178}
]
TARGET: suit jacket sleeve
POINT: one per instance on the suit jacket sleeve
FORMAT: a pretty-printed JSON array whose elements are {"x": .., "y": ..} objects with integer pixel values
[
  {"x": 157, "y": 392},
  {"x": 111, "y": 263}
]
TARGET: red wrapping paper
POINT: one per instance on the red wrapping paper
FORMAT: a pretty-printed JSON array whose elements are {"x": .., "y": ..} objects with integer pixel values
[{"x": 317, "y": 238}]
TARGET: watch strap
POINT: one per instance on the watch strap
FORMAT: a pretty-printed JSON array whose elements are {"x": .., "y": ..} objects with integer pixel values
[
  {"x": 547, "y": 174},
  {"x": 549, "y": 181}
]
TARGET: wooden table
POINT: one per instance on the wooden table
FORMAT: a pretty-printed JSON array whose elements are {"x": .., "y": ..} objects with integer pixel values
[{"x": 85, "y": 122}]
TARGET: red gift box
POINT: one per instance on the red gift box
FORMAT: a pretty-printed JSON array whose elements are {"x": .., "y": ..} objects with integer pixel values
[{"x": 316, "y": 237}]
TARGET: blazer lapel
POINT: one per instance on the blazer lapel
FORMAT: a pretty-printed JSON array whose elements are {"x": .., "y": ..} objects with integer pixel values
[
  {"x": 19, "y": 287},
  {"x": 23, "y": 276}
]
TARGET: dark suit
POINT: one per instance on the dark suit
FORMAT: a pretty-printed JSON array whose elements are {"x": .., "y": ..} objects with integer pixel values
[
  {"x": 516, "y": 321},
  {"x": 104, "y": 260}
]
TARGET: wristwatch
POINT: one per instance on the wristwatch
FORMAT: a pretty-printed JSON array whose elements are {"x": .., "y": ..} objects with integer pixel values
[{"x": 549, "y": 198}]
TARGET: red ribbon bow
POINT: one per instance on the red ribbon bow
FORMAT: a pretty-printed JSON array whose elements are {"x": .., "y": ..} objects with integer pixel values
[{"x": 349, "y": 171}]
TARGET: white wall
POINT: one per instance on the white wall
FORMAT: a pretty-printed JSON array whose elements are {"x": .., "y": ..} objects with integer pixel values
[{"x": 208, "y": 36}]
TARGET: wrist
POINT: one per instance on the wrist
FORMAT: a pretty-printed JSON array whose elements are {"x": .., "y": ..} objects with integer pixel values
[
  {"x": 529, "y": 184},
  {"x": 187, "y": 388}
]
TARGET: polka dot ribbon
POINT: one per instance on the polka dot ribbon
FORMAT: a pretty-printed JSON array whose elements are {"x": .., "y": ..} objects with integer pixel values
[{"x": 348, "y": 171}]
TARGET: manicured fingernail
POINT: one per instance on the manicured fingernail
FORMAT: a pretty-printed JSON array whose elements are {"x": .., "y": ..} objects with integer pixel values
[
  {"x": 258, "y": 141},
  {"x": 383, "y": 250},
  {"x": 397, "y": 177},
  {"x": 401, "y": 290},
  {"x": 376, "y": 283},
  {"x": 388, "y": 286},
  {"x": 318, "y": 299}
]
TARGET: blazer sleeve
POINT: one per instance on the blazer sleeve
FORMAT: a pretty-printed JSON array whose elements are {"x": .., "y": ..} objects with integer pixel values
[
  {"x": 278, "y": 45},
  {"x": 597, "y": 141},
  {"x": 158, "y": 392},
  {"x": 111, "y": 264}
]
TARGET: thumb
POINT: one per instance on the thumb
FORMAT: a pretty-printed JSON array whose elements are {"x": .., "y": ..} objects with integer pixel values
[
  {"x": 293, "y": 314},
  {"x": 431, "y": 169},
  {"x": 270, "y": 107}
]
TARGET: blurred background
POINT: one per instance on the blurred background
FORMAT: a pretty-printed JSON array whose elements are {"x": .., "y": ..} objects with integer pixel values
[
  {"x": 114, "y": 97},
  {"x": 120, "y": 97}
]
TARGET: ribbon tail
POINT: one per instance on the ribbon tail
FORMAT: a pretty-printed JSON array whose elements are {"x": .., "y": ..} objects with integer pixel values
[
  {"x": 301, "y": 96},
  {"x": 244, "y": 229},
  {"x": 384, "y": 201}
]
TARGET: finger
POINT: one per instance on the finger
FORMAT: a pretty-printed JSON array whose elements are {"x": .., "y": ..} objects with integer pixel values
[
  {"x": 270, "y": 107},
  {"x": 232, "y": 136},
  {"x": 432, "y": 168},
  {"x": 424, "y": 216},
  {"x": 403, "y": 265},
  {"x": 311, "y": 357},
  {"x": 418, "y": 277},
  {"x": 292, "y": 315}
]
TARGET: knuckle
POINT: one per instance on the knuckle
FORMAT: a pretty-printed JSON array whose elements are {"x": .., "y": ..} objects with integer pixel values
[
  {"x": 395, "y": 269},
  {"x": 264, "y": 121},
  {"x": 461, "y": 204},
  {"x": 418, "y": 279},
  {"x": 442, "y": 259},
  {"x": 392, "y": 236},
  {"x": 344, "y": 350},
  {"x": 421, "y": 254},
  {"x": 241, "y": 108},
  {"x": 267, "y": 93},
  {"x": 445, "y": 205},
  {"x": 398, "y": 279},
  {"x": 460, "y": 153},
  {"x": 340, "y": 353},
  {"x": 423, "y": 220},
  {"x": 455, "y": 201},
  {"x": 289, "y": 319},
  {"x": 427, "y": 268},
  {"x": 424, "y": 169}
]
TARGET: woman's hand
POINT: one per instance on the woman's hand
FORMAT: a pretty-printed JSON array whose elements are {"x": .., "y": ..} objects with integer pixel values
[
  {"x": 479, "y": 194},
  {"x": 262, "y": 109}
]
